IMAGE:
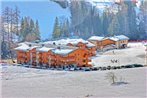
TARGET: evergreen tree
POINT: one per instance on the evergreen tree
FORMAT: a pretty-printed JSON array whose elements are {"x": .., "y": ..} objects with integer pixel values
[
  {"x": 22, "y": 30},
  {"x": 65, "y": 28},
  {"x": 56, "y": 31},
  {"x": 114, "y": 27},
  {"x": 143, "y": 20},
  {"x": 16, "y": 19},
  {"x": 123, "y": 19},
  {"x": 131, "y": 14},
  {"x": 105, "y": 23},
  {"x": 37, "y": 30},
  {"x": 29, "y": 31},
  {"x": 32, "y": 26}
]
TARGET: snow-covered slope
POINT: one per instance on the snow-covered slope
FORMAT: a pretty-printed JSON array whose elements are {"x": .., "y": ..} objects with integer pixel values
[
  {"x": 20, "y": 82},
  {"x": 134, "y": 54}
]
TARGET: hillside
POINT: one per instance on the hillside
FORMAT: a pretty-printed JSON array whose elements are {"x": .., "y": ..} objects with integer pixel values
[{"x": 105, "y": 18}]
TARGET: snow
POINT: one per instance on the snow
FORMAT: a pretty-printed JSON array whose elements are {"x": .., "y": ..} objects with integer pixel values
[
  {"x": 145, "y": 44},
  {"x": 119, "y": 37},
  {"x": 100, "y": 3},
  {"x": 90, "y": 45},
  {"x": 44, "y": 49},
  {"x": 65, "y": 41},
  {"x": 23, "y": 47},
  {"x": 114, "y": 38},
  {"x": 62, "y": 51},
  {"x": 97, "y": 38},
  {"x": 134, "y": 54},
  {"x": 72, "y": 41},
  {"x": 20, "y": 82}
]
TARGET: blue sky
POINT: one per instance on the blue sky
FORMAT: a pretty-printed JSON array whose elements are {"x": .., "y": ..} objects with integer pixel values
[{"x": 44, "y": 11}]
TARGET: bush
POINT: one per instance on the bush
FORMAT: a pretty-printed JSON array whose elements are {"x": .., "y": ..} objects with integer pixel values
[
  {"x": 94, "y": 68},
  {"x": 137, "y": 65},
  {"x": 129, "y": 66}
]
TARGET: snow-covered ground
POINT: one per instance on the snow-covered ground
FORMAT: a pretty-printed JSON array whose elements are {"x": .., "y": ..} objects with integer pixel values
[
  {"x": 134, "y": 54},
  {"x": 20, "y": 82}
]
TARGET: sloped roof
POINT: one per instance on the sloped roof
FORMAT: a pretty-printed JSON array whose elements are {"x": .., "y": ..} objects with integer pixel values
[
  {"x": 90, "y": 45},
  {"x": 119, "y": 37},
  {"x": 44, "y": 49},
  {"x": 25, "y": 47},
  {"x": 66, "y": 41},
  {"x": 96, "y": 38},
  {"x": 62, "y": 51}
]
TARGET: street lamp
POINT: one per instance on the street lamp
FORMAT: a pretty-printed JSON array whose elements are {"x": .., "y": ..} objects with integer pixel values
[{"x": 145, "y": 54}]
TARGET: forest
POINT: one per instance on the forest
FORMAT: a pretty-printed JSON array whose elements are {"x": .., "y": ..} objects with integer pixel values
[
  {"x": 16, "y": 28},
  {"x": 119, "y": 18}
]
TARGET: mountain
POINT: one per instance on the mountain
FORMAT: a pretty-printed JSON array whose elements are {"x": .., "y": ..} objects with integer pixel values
[{"x": 106, "y": 17}]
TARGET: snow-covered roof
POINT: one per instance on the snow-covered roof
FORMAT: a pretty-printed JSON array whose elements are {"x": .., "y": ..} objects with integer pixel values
[
  {"x": 62, "y": 51},
  {"x": 114, "y": 38},
  {"x": 66, "y": 41},
  {"x": 122, "y": 37},
  {"x": 25, "y": 47},
  {"x": 96, "y": 38},
  {"x": 119, "y": 37},
  {"x": 44, "y": 49},
  {"x": 145, "y": 44},
  {"x": 90, "y": 44}
]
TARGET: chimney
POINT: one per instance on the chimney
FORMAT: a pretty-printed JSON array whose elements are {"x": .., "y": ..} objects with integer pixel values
[
  {"x": 30, "y": 45},
  {"x": 54, "y": 43},
  {"x": 59, "y": 47},
  {"x": 42, "y": 45}
]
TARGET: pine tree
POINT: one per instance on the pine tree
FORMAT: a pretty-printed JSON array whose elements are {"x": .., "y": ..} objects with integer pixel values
[
  {"x": 37, "y": 30},
  {"x": 131, "y": 14},
  {"x": 65, "y": 28},
  {"x": 22, "y": 32},
  {"x": 123, "y": 19},
  {"x": 105, "y": 23},
  {"x": 16, "y": 19},
  {"x": 143, "y": 20},
  {"x": 114, "y": 27},
  {"x": 56, "y": 31},
  {"x": 32, "y": 26}
]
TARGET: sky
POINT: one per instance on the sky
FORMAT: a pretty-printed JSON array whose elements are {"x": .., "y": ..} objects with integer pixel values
[{"x": 44, "y": 11}]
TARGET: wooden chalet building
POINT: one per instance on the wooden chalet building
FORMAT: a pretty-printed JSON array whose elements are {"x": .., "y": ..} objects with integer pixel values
[
  {"x": 97, "y": 41},
  {"x": 120, "y": 41},
  {"x": 26, "y": 54},
  {"x": 56, "y": 56}
]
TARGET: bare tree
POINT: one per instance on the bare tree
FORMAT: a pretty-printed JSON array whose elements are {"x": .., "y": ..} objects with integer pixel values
[
  {"x": 111, "y": 77},
  {"x": 9, "y": 28},
  {"x": 16, "y": 19}
]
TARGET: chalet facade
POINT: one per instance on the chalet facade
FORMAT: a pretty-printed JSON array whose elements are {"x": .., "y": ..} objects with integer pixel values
[
  {"x": 26, "y": 54},
  {"x": 91, "y": 48},
  {"x": 97, "y": 41},
  {"x": 53, "y": 56},
  {"x": 66, "y": 52},
  {"x": 120, "y": 41}
]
